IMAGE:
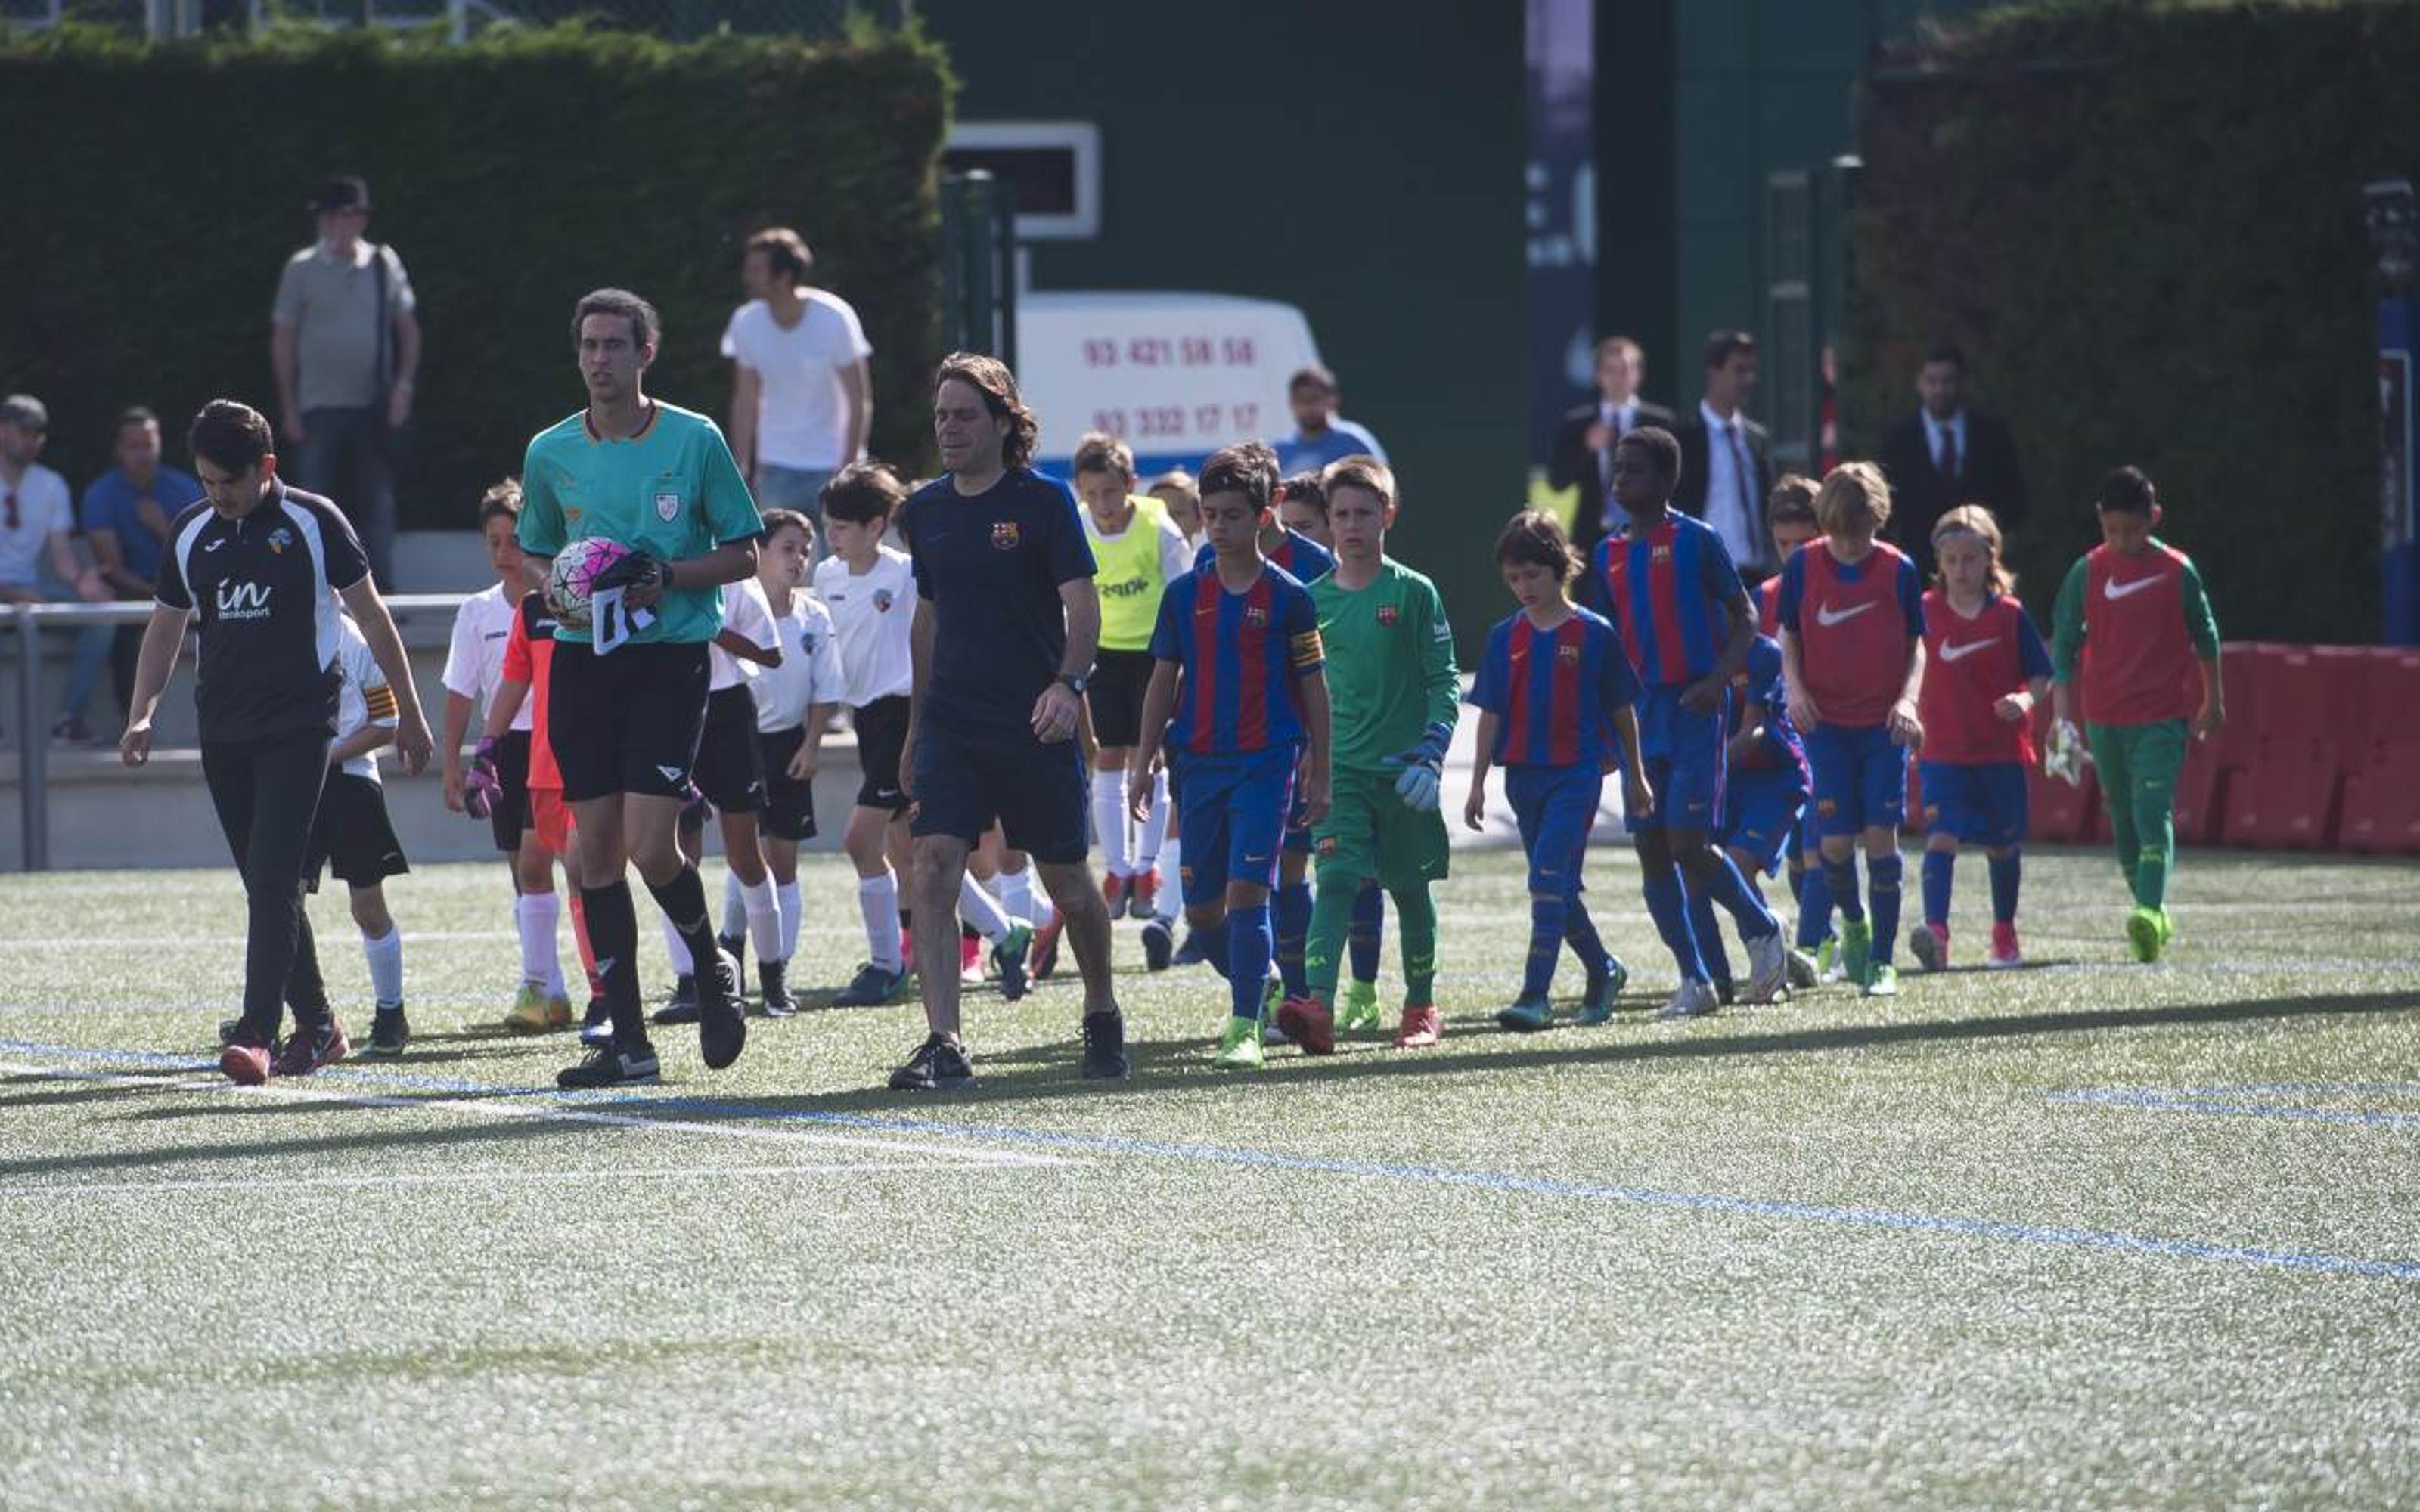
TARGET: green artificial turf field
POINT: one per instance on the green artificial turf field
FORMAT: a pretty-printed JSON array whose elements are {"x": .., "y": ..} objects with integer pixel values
[{"x": 2089, "y": 1234}]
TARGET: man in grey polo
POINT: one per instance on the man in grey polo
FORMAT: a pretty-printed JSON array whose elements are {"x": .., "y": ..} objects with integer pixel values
[{"x": 344, "y": 361}]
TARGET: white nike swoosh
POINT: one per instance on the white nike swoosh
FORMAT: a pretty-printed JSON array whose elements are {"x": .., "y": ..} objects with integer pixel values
[
  {"x": 2113, "y": 589},
  {"x": 1950, "y": 653},
  {"x": 1824, "y": 617}
]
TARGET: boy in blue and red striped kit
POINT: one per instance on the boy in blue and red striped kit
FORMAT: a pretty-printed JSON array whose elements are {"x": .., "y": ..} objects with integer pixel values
[
  {"x": 1985, "y": 667},
  {"x": 1790, "y": 518},
  {"x": 1555, "y": 690},
  {"x": 1853, "y": 652},
  {"x": 1670, "y": 588},
  {"x": 1764, "y": 793},
  {"x": 1239, "y": 666}
]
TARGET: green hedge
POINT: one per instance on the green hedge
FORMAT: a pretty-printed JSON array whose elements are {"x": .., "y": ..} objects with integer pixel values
[
  {"x": 156, "y": 193},
  {"x": 2144, "y": 225}
]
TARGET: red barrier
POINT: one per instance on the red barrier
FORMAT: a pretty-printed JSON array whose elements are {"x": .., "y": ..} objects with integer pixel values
[{"x": 2381, "y": 803}]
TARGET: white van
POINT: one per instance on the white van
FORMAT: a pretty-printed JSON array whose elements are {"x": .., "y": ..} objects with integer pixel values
[{"x": 1174, "y": 376}]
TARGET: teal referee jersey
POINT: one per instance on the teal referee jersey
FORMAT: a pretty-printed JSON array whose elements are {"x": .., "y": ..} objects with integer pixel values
[{"x": 672, "y": 490}]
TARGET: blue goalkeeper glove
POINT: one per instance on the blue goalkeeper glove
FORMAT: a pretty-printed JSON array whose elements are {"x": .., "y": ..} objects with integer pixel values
[{"x": 1423, "y": 769}]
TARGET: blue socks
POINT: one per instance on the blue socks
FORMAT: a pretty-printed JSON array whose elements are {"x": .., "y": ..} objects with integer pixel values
[
  {"x": 1939, "y": 867},
  {"x": 1814, "y": 908},
  {"x": 1249, "y": 945},
  {"x": 1293, "y": 915},
  {"x": 2007, "y": 872},
  {"x": 1882, "y": 875},
  {"x": 1727, "y": 886},
  {"x": 1579, "y": 932},
  {"x": 1709, "y": 931},
  {"x": 1670, "y": 911},
  {"x": 1548, "y": 919},
  {"x": 1369, "y": 928}
]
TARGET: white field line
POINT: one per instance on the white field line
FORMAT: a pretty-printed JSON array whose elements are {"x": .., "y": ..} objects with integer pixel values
[
  {"x": 481, "y": 1108},
  {"x": 257, "y": 1187}
]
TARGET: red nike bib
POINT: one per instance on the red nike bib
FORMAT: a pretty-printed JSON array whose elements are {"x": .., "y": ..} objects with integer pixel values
[
  {"x": 1970, "y": 665},
  {"x": 2137, "y": 666}
]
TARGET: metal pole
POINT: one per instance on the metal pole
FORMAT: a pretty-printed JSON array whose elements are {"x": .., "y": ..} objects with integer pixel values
[
  {"x": 2394, "y": 221},
  {"x": 33, "y": 746},
  {"x": 1005, "y": 244},
  {"x": 953, "y": 256},
  {"x": 983, "y": 266}
]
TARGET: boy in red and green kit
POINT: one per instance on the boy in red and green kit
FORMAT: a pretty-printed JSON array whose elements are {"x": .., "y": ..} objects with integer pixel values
[{"x": 2131, "y": 617}]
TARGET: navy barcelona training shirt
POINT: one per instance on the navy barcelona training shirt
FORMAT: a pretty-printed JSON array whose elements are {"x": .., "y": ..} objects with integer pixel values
[{"x": 990, "y": 566}]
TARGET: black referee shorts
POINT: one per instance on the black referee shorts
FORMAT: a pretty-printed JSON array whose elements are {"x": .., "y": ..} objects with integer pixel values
[
  {"x": 1115, "y": 696},
  {"x": 510, "y": 813},
  {"x": 965, "y": 780},
  {"x": 628, "y": 721}
]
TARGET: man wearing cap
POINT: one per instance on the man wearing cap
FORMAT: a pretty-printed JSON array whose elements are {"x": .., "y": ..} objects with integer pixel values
[
  {"x": 38, "y": 562},
  {"x": 344, "y": 342}
]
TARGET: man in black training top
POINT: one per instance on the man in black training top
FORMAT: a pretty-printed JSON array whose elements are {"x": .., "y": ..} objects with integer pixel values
[
  {"x": 263, "y": 566},
  {"x": 1006, "y": 623}
]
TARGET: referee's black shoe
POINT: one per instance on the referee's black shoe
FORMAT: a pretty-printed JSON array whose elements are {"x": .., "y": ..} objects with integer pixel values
[
  {"x": 1105, "y": 1045},
  {"x": 722, "y": 1018},
  {"x": 612, "y": 1065},
  {"x": 938, "y": 1065}
]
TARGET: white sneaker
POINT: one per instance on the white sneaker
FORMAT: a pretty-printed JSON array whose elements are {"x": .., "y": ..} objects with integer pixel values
[
  {"x": 1768, "y": 968},
  {"x": 1694, "y": 999}
]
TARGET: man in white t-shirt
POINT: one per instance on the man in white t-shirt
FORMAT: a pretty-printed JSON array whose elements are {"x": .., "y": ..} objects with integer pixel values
[
  {"x": 37, "y": 562},
  {"x": 800, "y": 393}
]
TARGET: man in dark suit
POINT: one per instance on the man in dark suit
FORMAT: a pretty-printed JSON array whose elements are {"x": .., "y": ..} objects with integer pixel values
[
  {"x": 1946, "y": 455},
  {"x": 1726, "y": 461},
  {"x": 1583, "y": 455}
]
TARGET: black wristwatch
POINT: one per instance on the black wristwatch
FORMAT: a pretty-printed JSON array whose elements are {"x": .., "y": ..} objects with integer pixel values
[{"x": 1076, "y": 681}]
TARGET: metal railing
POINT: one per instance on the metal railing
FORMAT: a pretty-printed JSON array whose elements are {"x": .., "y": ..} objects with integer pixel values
[{"x": 34, "y": 726}]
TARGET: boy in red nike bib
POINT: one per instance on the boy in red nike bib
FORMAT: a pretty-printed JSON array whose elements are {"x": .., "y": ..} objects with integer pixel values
[
  {"x": 2132, "y": 616},
  {"x": 1985, "y": 667},
  {"x": 1852, "y": 654}
]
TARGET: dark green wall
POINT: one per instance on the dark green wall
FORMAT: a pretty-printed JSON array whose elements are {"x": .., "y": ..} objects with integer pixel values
[{"x": 1359, "y": 160}]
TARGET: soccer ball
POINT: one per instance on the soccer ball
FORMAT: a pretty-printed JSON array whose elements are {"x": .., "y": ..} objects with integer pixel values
[{"x": 569, "y": 582}]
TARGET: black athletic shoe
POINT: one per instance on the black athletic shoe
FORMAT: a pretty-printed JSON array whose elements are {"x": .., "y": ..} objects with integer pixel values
[
  {"x": 1105, "y": 1045},
  {"x": 1158, "y": 945},
  {"x": 228, "y": 1030},
  {"x": 597, "y": 1025},
  {"x": 389, "y": 1032},
  {"x": 681, "y": 1006},
  {"x": 1194, "y": 951},
  {"x": 871, "y": 987},
  {"x": 773, "y": 992},
  {"x": 736, "y": 945},
  {"x": 722, "y": 1022},
  {"x": 610, "y": 1065},
  {"x": 938, "y": 1065}
]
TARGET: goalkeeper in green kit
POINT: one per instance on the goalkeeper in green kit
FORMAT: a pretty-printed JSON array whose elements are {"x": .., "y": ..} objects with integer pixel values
[{"x": 1395, "y": 693}]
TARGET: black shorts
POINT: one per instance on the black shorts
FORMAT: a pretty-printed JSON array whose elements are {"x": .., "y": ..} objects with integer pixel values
[
  {"x": 729, "y": 771},
  {"x": 510, "y": 813},
  {"x": 965, "y": 780},
  {"x": 351, "y": 835},
  {"x": 627, "y": 721},
  {"x": 1119, "y": 679},
  {"x": 789, "y": 811},
  {"x": 881, "y": 729}
]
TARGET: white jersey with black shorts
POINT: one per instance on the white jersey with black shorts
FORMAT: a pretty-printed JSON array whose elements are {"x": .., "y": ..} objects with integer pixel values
[
  {"x": 353, "y": 835},
  {"x": 873, "y": 614},
  {"x": 729, "y": 771},
  {"x": 810, "y": 674}
]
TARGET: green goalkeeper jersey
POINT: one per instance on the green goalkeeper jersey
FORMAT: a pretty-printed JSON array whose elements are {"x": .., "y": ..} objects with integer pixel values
[{"x": 1390, "y": 671}]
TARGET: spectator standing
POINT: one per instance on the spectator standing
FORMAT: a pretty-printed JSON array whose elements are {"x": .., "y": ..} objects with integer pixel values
[
  {"x": 1583, "y": 454},
  {"x": 1321, "y": 435},
  {"x": 126, "y": 515},
  {"x": 1947, "y": 454},
  {"x": 801, "y": 401},
  {"x": 344, "y": 339},
  {"x": 1726, "y": 463},
  {"x": 37, "y": 562}
]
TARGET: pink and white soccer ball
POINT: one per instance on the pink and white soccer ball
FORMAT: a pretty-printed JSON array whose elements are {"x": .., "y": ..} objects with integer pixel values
[{"x": 572, "y": 580}]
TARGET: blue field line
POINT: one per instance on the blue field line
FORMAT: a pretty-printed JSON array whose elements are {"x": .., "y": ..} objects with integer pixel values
[
  {"x": 2301, "y": 1089},
  {"x": 2108, "y": 1241},
  {"x": 2208, "y": 1107}
]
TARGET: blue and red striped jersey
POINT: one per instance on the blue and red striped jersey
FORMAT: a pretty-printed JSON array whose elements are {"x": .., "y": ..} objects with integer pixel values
[
  {"x": 1756, "y": 697},
  {"x": 1238, "y": 656},
  {"x": 1552, "y": 692},
  {"x": 1297, "y": 555},
  {"x": 1663, "y": 587}
]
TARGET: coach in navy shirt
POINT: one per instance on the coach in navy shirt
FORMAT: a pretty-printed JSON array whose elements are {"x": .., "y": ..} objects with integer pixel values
[
  {"x": 1006, "y": 624},
  {"x": 264, "y": 569}
]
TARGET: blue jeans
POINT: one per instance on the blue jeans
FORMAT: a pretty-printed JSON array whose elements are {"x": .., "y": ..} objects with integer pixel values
[
  {"x": 91, "y": 652},
  {"x": 342, "y": 458}
]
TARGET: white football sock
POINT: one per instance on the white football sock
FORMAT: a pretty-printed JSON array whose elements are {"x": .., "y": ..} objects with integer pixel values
[
  {"x": 1154, "y": 842},
  {"x": 535, "y": 914},
  {"x": 878, "y": 899},
  {"x": 1109, "y": 821},
  {"x": 386, "y": 966},
  {"x": 768, "y": 925},
  {"x": 1167, "y": 903},
  {"x": 787, "y": 894},
  {"x": 977, "y": 908},
  {"x": 1016, "y": 893}
]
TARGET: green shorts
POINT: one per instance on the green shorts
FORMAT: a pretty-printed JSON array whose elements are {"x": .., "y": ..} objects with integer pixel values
[{"x": 1369, "y": 833}]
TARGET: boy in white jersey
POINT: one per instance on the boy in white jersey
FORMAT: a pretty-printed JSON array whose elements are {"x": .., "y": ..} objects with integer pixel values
[
  {"x": 870, "y": 591},
  {"x": 352, "y": 836},
  {"x": 794, "y": 697}
]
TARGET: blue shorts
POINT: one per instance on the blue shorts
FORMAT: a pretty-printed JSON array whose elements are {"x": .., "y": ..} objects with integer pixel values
[
  {"x": 1555, "y": 807},
  {"x": 1860, "y": 779},
  {"x": 1760, "y": 814},
  {"x": 965, "y": 780},
  {"x": 1983, "y": 804},
  {"x": 1236, "y": 810},
  {"x": 1685, "y": 764}
]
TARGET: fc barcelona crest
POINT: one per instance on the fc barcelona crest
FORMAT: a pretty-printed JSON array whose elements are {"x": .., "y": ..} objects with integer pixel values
[
  {"x": 1389, "y": 615},
  {"x": 1255, "y": 616},
  {"x": 1003, "y": 535},
  {"x": 1568, "y": 654},
  {"x": 1661, "y": 553}
]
